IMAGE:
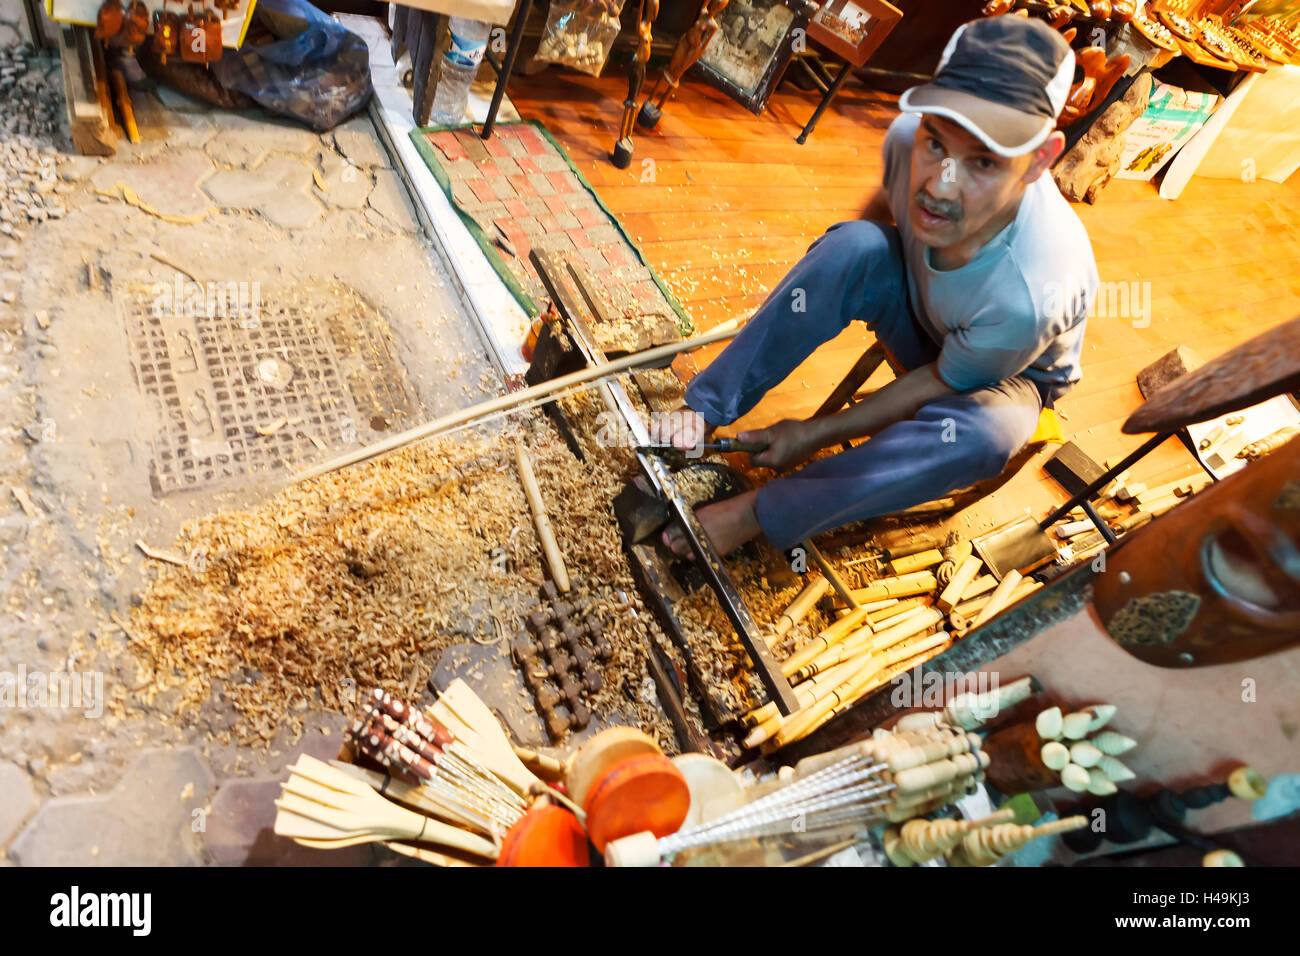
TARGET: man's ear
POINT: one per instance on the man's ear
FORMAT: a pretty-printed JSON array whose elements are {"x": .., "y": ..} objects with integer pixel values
[{"x": 1042, "y": 158}]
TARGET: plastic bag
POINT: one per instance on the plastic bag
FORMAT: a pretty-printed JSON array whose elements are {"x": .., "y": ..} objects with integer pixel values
[
  {"x": 316, "y": 71},
  {"x": 580, "y": 33}
]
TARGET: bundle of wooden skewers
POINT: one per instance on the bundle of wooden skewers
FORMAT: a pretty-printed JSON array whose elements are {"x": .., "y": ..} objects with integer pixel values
[
  {"x": 890, "y": 778},
  {"x": 453, "y": 785}
]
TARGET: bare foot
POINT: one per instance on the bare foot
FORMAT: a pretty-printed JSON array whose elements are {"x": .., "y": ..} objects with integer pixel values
[{"x": 728, "y": 523}]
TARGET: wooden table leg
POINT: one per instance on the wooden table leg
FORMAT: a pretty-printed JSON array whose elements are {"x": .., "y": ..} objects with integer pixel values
[
  {"x": 512, "y": 51},
  {"x": 622, "y": 156},
  {"x": 689, "y": 49},
  {"x": 826, "y": 101},
  {"x": 426, "y": 61}
]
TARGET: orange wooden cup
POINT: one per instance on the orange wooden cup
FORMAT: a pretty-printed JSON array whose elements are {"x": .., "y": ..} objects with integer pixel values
[
  {"x": 644, "y": 792},
  {"x": 545, "y": 836}
]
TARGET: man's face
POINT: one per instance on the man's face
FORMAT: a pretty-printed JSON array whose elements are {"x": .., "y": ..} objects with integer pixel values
[{"x": 960, "y": 190}]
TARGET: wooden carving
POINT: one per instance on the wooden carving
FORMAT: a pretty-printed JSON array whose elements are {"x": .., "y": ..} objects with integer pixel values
[
  {"x": 1099, "y": 75},
  {"x": 689, "y": 49},
  {"x": 622, "y": 157},
  {"x": 1059, "y": 16}
]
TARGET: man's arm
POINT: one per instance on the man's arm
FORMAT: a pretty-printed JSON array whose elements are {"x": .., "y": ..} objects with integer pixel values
[
  {"x": 877, "y": 208},
  {"x": 790, "y": 442}
]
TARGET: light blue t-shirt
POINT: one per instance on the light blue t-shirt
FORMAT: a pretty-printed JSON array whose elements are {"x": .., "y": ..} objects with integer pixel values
[{"x": 1020, "y": 305}]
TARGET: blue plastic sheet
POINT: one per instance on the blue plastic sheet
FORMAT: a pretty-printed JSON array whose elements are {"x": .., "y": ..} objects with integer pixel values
[{"x": 316, "y": 71}]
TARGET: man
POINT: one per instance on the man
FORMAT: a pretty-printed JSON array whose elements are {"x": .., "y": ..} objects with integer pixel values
[{"x": 980, "y": 291}]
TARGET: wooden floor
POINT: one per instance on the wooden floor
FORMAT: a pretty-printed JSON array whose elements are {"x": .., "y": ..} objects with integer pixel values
[{"x": 723, "y": 202}]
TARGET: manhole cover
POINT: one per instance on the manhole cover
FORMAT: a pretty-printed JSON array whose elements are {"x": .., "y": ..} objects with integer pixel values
[{"x": 258, "y": 383}]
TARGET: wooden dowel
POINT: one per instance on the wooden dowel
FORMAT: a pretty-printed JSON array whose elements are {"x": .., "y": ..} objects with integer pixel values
[
  {"x": 893, "y": 663},
  {"x": 1070, "y": 529},
  {"x": 1000, "y": 597},
  {"x": 805, "y": 692},
  {"x": 827, "y": 638},
  {"x": 1005, "y": 815},
  {"x": 554, "y": 559},
  {"x": 831, "y": 574},
  {"x": 1064, "y": 825},
  {"x": 799, "y": 608},
  {"x": 916, "y": 562},
  {"x": 981, "y": 585},
  {"x": 961, "y": 579},
  {"x": 903, "y": 660},
  {"x": 896, "y": 607},
  {"x": 796, "y": 727},
  {"x": 124, "y": 104},
  {"x": 906, "y": 626},
  {"x": 904, "y": 585},
  {"x": 503, "y": 402},
  {"x": 852, "y": 644},
  {"x": 968, "y": 609}
]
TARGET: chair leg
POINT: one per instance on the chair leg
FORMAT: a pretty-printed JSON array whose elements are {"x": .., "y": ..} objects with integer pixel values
[
  {"x": 821, "y": 107},
  {"x": 862, "y": 370}
]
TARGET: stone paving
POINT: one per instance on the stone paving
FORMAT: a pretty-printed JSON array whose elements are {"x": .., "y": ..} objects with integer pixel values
[{"x": 227, "y": 196}]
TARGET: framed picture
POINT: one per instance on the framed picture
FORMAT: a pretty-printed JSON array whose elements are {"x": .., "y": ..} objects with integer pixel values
[
  {"x": 853, "y": 29},
  {"x": 748, "y": 54}
]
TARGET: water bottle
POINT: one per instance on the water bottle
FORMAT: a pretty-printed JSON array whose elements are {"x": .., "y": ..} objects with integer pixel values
[{"x": 459, "y": 65}]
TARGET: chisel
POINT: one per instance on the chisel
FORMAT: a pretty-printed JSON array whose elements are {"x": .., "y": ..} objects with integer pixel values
[{"x": 722, "y": 445}]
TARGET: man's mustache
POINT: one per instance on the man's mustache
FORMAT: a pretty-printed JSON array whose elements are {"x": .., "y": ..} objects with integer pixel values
[{"x": 949, "y": 210}]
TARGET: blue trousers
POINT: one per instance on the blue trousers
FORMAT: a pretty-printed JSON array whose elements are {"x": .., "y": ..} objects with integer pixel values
[{"x": 857, "y": 271}]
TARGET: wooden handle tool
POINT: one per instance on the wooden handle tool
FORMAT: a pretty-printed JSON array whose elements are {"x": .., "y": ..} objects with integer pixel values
[{"x": 554, "y": 559}]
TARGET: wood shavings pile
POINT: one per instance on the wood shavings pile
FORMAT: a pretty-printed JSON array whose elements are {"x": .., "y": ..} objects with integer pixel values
[
  {"x": 364, "y": 576},
  {"x": 733, "y": 685}
]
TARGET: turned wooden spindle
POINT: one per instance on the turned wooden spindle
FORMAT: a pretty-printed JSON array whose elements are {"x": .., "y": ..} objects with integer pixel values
[
  {"x": 920, "y": 840},
  {"x": 622, "y": 155},
  {"x": 689, "y": 49},
  {"x": 986, "y": 847}
]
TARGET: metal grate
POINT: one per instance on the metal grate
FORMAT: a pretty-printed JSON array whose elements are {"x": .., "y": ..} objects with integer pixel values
[{"x": 318, "y": 376}]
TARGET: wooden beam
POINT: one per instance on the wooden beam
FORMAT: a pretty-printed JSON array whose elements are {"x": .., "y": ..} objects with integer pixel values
[{"x": 85, "y": 92}]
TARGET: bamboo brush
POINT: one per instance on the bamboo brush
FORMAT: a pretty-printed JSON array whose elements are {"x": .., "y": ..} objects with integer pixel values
[
  {"x": 475, "y": 729},
  {"x": 397, "y": 736},
  {"x": 396, "y": 745},
  {"x": 465, "y": 788}
]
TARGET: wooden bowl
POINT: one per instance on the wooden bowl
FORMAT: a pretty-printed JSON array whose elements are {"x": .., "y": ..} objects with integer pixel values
[{"x": 715, "y": 790}]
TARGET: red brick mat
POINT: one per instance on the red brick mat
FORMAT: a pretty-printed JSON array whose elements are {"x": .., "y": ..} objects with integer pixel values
[{"x": 521, "y": 181}]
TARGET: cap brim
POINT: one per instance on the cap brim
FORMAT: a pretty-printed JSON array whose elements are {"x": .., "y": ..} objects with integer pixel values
[{"x": 1005, "y": 131}]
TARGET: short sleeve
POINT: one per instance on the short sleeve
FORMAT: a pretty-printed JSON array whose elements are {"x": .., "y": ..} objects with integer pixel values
[
  {"x": 1000, "y": 341},
  {"x": 897, "y": 153}
]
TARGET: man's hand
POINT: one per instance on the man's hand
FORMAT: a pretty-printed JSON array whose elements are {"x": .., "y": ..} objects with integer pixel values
[
  {"x": 788, "y": 443},
  {"x": 682, "y": 428}
]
